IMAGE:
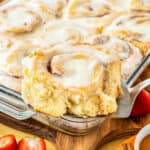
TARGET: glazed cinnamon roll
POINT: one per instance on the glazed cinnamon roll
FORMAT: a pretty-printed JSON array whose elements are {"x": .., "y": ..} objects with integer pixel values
[
  {"x": 133, "y": 27},
  {"x": 25, "y": 16},
  {"x": 142, "y": 5},
  {"x": 72, "y": 31},
  {"x": 77, "y": 79},
  {"x": 12, "y": 51},
  {"x": 130, "y": 55},
  {"x": 18, "y": 19},
  {"x": 94, "y": 8}
]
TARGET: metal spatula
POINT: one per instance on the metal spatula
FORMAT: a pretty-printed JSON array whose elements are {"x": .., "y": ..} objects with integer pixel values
[{"x": 127, "y": 100}]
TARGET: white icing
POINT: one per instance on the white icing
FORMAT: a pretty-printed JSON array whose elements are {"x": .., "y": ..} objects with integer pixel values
[
  {"x": 17, "y": 18},
  {"x": 76, "y": 71},
  {"x": 28, "y": 14},
  {"x": 60, "y": 31},
  {"x": 124, "y": 22},
  {"x": 12, "y": 51},
  {"x": 72, "y": 66},
  {"x": 128, "y": 53},
  {"x": 52, "y": 8}
]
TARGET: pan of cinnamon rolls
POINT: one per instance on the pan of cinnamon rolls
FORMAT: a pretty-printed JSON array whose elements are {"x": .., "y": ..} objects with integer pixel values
[{"x": 69, "y": 56}]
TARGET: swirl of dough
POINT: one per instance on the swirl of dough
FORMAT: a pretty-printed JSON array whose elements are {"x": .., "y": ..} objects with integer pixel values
[
  {"x": 142, "y": 5},
  {"x": 94, "y": 8},
  {"x": 18, "y": 19},
  {"x": 130, "y": 55},
  {"x": 11, "y": 52},
  {"x": 75, "y": 78},
  {"x": 133, "y": 27}
]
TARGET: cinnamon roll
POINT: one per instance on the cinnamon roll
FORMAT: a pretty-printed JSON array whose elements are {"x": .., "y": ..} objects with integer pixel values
[
  {"x": 75, "y": 78},
  {"x": 142, "y": 5},
  {"x": 132, "y": 27},
  {"x": 94, "y": 8},
  {"x": 18, "y": 19},
  {"x": 72, "y": 31},
  {"x": 12, "y": 51},
  {"x": 25, "y": 16},
  {"x": 130, "y": 55}
]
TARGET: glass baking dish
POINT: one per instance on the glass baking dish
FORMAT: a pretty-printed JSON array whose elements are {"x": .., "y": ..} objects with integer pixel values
[{"x": 12, "y": 104}]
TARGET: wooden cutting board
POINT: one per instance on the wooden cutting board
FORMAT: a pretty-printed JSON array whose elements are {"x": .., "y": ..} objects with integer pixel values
[{"x": 110, "y": 130}]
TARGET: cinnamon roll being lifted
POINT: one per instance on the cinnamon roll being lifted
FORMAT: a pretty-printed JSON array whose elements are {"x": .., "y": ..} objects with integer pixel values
[
  {"x": 72, "y": 31},
  {"x": 77, "y": 79}
]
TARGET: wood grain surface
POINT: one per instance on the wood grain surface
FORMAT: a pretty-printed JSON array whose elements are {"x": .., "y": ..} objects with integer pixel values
[{"x": 110, "y": 130}]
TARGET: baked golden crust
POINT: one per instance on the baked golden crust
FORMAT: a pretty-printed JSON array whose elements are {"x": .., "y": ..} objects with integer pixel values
[{"x": 54, "y": 84}]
